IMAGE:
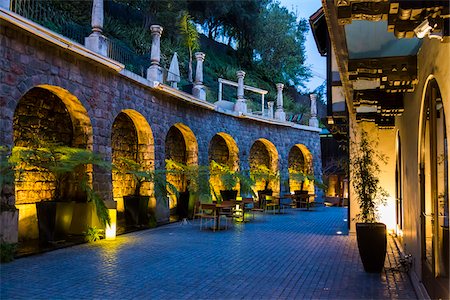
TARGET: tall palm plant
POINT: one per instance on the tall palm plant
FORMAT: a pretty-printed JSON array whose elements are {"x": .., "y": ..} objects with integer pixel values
[{"x": 190, "y": 38}]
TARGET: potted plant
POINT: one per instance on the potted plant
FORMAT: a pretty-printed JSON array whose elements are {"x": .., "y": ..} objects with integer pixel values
[
  {"x": 136, "y": 205},
  {"x": 371, "y": 235},
  {"x": 230, "y": 180},
  {"x": 9, "y": 215},
  {"x": 267, "y": 176},
  {"x": 66, "y": 167},
  {"x": 194, "y": 185}
]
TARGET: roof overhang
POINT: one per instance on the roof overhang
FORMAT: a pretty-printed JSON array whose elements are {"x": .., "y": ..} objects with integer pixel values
[{"x": 376, "y": 44}]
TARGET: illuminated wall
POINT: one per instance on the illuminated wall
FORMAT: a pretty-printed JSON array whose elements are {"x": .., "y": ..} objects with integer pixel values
[{"x": 264, "y": 153}]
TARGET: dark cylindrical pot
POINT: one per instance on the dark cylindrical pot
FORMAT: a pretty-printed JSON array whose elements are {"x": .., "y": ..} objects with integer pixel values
[
  {"x": 228, "y": 194},
  {"x": 46, "y": 215},
  {"x": 372, "y": 243},
  {"x": 183, "y": 205},
  {"x": 136, "y": 210}
]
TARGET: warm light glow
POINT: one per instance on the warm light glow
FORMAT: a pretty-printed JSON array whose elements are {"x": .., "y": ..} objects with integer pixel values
[
  {"x": 110, "y": 231},
  {"x": 387, "y": 214}
]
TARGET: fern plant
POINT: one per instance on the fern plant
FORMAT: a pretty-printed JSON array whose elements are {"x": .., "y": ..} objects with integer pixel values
[{"x": 93, "y": 234}]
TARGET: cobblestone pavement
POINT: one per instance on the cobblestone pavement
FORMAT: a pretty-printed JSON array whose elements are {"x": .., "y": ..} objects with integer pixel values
[{"x": 296, "y": 255}]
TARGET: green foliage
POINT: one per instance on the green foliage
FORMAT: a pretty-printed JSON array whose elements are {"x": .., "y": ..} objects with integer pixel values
[
  {"x": 230, "y": 179},
  {"x": 6, "y": 167},
  {"x": 280, "y": 45},
  {"x": 7, "y": 251},
  {"x": 364, "y": 175},
  {"x": 61, "y": 164},
  {"x": 263, "y": 173},
  {"x": 190, "y": 38},
  {"x": 93, "y": 234}
]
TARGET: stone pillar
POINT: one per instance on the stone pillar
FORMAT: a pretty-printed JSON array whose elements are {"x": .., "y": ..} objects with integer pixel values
[
  {"x": 198, "y": 90},
  {"x": 6, "y": 4},
  {"x": 96, "y": 41},
  {"x": 270, "y": 109},
  {"x": 154, "y": 72},
  {"x": 241, "y": 103},
  {"x": 280, "y": 114},
  {"x": 313, "y": 120}
]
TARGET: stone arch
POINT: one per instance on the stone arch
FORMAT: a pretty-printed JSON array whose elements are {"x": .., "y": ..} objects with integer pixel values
[
  {"x": 132, "y": 139},
  {"x": 224, "y": 150},
  {"x": 300, "y": 160},
  {"x": 264, "y": 153},
  {"x": 46, "y": 114},
  {"x": 180, "y": 146}
]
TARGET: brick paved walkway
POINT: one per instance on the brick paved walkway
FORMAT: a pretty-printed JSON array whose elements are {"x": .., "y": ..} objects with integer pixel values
[{"x": 297, "y": 255}]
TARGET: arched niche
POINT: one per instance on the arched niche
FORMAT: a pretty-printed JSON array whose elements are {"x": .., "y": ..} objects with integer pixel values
[
  {"x": 223, "y": 149},
  {"x": 180, "y": 146},
  {"x": 131, "y": 139},
  {"x": 47, "y": 115},
  {"x": 263, "y": 153},
  {"x": 300, "y": 164}
]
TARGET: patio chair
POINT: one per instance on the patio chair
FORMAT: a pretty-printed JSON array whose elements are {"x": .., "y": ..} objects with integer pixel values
[
  {"x": 208, "y": 213},
  {"x": 228, "y": 213},
  {"x": 258, "y": 207},
  {"x": 272, "y": 203}
]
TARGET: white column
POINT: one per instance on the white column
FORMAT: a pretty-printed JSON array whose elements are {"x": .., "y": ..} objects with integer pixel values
[
  {"x": 6, "y": 4},
  {"x": 280, "y": 114},
  {"x": 270, "y": 109},
  {"x": 262, "y": 104},
  {"x": 313, "y": 120},
  {"x": 154, "y": 72},
  {"x": 198, "y": 90},
  {"x": 220, "y": 91},
  {"x": 96, "y": 41},
  {"x": 241, "y": 103}
]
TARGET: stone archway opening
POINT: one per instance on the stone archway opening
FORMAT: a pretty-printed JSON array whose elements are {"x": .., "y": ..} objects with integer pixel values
[
  {"x": 181, "y": 147},
  {"x": 264, "y": 156},
  {"x": 223, "y": 149},
  {"x": 46, "y": 116},
  {"x": 131, "y": 140},
  {"x": 300, "y": 165}
]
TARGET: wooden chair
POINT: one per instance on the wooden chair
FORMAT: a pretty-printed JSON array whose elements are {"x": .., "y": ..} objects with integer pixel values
[
  {"x": 272, "y": 203},
  {"x": 259, "y": 207},
  {"x": 208, "y": 212},
  {"x": 229, "y": 212}
]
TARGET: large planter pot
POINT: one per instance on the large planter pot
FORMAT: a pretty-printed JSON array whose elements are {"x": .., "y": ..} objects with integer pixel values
[
  {"x": 228, "y": 195},
  {"x": 183, "y": 205},
  {"x": 46, "y": 216},
  {"x": 372, "y": 243},
  {"x": 64, "y": 214},
  {"x": 84, "y": 216},
  {"x": 136, "y": 210}
]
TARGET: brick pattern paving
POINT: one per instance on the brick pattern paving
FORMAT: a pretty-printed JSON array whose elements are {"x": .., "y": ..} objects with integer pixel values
[{"x": 295, "y": 255}]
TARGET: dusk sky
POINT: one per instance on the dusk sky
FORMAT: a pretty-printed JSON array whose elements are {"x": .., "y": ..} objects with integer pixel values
[{"x": 317, "y": 63}]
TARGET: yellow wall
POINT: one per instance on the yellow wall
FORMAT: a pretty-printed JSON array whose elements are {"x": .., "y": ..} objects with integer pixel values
[{"x": 433, "y": 61}]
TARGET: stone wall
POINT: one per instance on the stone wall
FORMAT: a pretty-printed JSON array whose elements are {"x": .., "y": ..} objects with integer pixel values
[{"x": 95, "y": 95}]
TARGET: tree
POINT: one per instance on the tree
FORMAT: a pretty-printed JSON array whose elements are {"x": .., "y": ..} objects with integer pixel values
[
  {"x": 280, "y": 45},
  {"x": 190, "y": 37}
]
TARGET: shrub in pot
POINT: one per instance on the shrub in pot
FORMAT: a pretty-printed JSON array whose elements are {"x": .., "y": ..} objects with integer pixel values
[
  {"x": 62, "y": 164},
  {"x": 371, "y": 234},
  {"x": 136, "y": 205}
]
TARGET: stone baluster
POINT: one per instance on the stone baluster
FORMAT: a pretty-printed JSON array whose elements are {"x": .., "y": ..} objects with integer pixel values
[
  {"x": 219, "y": 94},
  {"x": 313, "y": 120},
  {"x": 6, "y": 4},
  {"x": 154, "y": 72},
  {"x": 270, "y": 105},
  {"x": 241, "y": 103},
  {"x": 198, "y": 90},
  {"x": 96, "y": 41},
  {"x": 280, "y": 114}
]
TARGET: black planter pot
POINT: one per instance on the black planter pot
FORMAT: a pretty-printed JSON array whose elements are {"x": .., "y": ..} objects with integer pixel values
[
  {"x": 372, "y": 242},
  {"x": 228, "y": 194},
  {"x": 183, "y": 205},
  {"x": 46, "y": 215},
  {"x": 136, "y": 210}
]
